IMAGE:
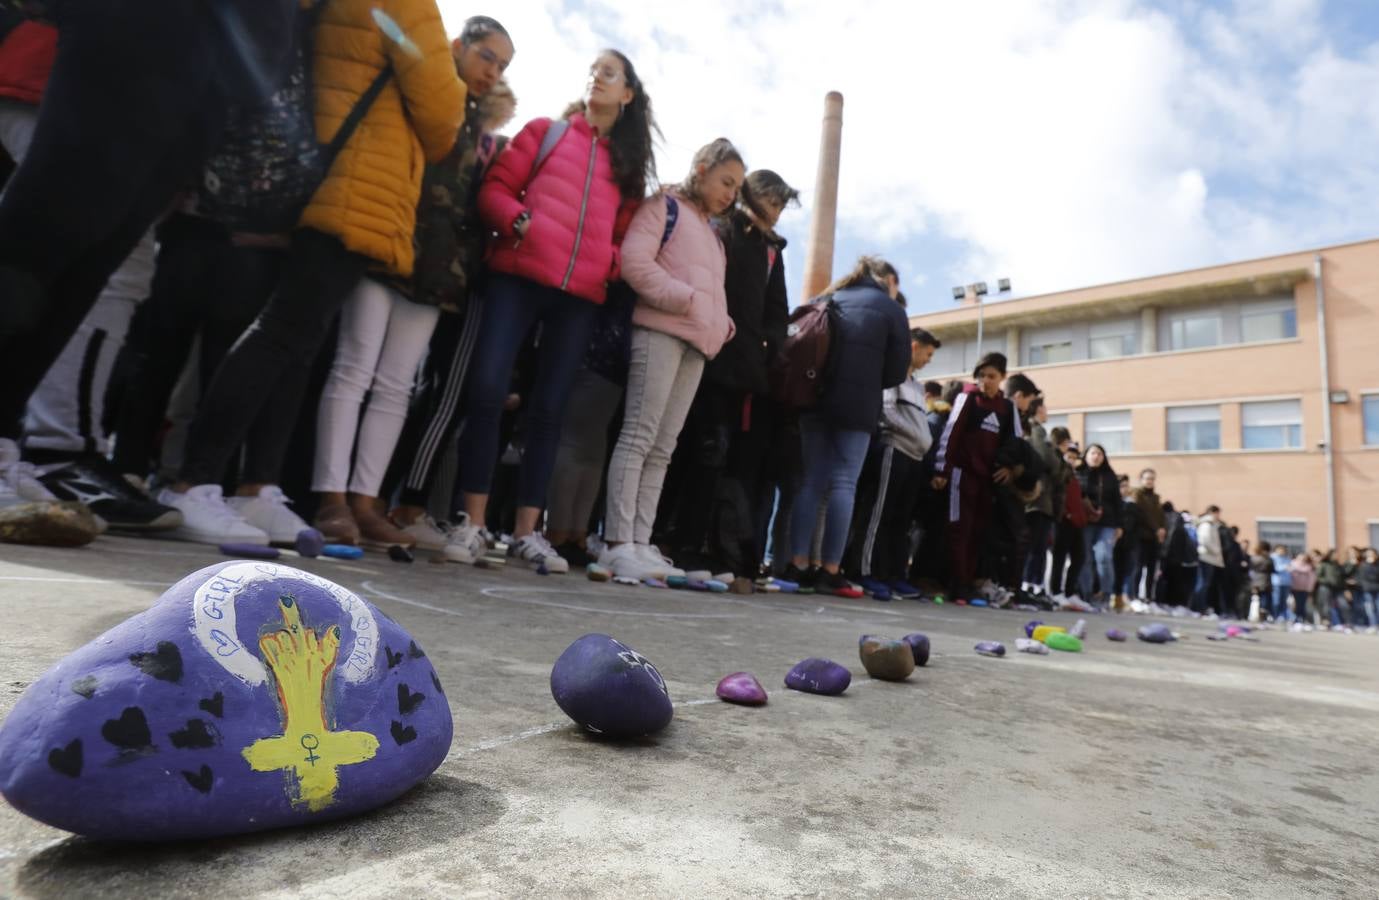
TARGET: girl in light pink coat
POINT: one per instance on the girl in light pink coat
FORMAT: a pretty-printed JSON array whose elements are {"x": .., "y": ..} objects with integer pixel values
[{"x": 673, "y": 259}]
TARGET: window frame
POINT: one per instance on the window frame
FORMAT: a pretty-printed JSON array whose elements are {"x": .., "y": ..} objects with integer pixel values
[
  {"x": 1128, "y": 431},
  {"x": 1245, "y": 427},
  {"x": 1169, "y": 423}
]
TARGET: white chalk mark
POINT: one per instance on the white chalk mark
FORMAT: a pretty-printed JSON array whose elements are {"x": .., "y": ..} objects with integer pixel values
[
  {"x": 494, "y": 743},
  {"x": 91, "y": 581},
  {"x": 369, "y": 588}
]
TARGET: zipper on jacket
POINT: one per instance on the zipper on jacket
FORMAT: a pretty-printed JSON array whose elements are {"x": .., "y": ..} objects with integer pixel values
[{"x": 583, "y": 208}]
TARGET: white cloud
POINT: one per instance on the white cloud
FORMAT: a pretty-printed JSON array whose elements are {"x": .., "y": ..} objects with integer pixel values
[{"x": 1064, "y": 142}]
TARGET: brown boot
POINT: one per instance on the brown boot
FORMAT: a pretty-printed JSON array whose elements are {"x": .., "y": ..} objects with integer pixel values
[
  {"x": 337, "y": 524},
  {"x": 375, "y": 530}
]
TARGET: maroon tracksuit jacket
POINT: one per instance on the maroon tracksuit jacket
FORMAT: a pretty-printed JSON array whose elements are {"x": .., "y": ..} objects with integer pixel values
[{"x": 976, "y": 428}]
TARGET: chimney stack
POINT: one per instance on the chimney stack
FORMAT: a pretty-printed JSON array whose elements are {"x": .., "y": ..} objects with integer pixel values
[{"x": 818, "y": 265}]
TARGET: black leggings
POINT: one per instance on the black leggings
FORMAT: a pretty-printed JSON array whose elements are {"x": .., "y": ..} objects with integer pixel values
[
  {"x": 130, "y": 111},
  {"x": 266, "y": 372},
  {"x": 1067, "y": 545},
  {"x": 203, "y": 285}
]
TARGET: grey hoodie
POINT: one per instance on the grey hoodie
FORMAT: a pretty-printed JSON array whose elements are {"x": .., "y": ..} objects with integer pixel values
[{"x": 904, "y": 419}]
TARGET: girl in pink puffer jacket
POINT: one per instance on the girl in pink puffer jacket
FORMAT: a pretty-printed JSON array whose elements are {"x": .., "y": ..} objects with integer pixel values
[
  {"x": 557, "y": 216},
  {"x": 677, "y": 268}
]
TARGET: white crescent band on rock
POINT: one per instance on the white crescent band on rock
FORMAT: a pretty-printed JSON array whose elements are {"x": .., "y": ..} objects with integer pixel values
[{"x": 213, "y": 622}]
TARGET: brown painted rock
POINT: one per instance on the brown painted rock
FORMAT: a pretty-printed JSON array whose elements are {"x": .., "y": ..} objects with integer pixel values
[
  {"x": 887, "y": 660},
  {"x": 48, "y": 523}
]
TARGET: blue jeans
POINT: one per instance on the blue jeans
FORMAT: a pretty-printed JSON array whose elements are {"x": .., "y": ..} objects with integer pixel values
[
  {"x": 1100, "y": 541},
  {"x": 512, "y": 306},
  {"x": 832, "y": 464},
  {"x": 1131, "y": 587},
  {"x": 1369, "y": 602},
  {"x": 1280, "y": 607}
]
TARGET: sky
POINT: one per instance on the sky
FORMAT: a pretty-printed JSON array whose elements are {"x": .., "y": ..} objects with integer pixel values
[{"x": 1058, "y": 143}]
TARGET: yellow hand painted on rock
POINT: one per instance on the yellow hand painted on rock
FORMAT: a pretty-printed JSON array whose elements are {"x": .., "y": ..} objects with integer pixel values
[{"x": 301, "y": 664}]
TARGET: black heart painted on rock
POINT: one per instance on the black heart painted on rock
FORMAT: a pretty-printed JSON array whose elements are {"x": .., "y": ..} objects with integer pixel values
[
  {"x": 86, "y": 687},
  {"x": 67, "y": 760},
  {"x": 403, "y": 734},
  {"x": 215, "y": 706},
  {"x": 414, "y": 651},
  {"x": 406, "y": 700},
  {"x": 129, "y": 731},
  {"x": 201, "y": 780},
  {"x": 393, "y": 658},
  {"x": 437, "y": 682},
  {"x": 196, "y": 736},
  {"x": 165, "y": 663}
]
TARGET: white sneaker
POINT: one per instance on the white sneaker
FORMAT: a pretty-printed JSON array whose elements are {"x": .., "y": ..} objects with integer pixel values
[
  {"x": 269, "y": 512},
  {"x": 428, "y": 534},
  {"x": 21, "y": 477},
  {"x": 208, "y": 519},
  {"x": 660, "y": 565},
  {"x": 467, "y": 543},
  {"x": 626, "y": 561},
  {"x": 536, "y": 551}
]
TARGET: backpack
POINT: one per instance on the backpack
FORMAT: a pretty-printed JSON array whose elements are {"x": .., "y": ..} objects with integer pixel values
[
  {"x": 269, "y": 164},
  {"x": 799, "y": 373},
  {"x": 1074, "y": 510},
  {"x": 610, "y": 340}
]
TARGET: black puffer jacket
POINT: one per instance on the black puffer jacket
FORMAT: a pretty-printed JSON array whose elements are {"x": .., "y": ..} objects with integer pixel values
[
  {"x": 755, "y": 284},
  {"x": 1101, "y": 489},
  {"x": 870, "y": 352}
]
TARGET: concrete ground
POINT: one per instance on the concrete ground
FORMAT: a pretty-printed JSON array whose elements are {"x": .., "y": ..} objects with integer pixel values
[{"x": 1195, "y": 769}]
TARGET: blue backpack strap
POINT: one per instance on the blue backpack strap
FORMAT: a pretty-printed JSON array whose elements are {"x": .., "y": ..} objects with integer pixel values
[
  {"x": 553, "y": 136},
  {"x": 672, "y": 216}
]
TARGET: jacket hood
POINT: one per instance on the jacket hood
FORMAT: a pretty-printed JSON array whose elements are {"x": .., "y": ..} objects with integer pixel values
[{"x": 496, "y": 108}]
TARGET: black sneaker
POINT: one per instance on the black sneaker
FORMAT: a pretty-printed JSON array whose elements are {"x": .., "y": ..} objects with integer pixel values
[
  {"x": 803, "y": 579},
  {"x": 575, "y": 555},
  {"x": 92, "y": 480}
]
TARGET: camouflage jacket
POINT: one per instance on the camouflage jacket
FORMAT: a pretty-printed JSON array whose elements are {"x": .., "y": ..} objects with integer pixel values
[{"x": 449, "y": 237}]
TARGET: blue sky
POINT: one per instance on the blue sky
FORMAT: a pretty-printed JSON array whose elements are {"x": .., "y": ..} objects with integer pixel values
[{"x": 1060, "y": 143}]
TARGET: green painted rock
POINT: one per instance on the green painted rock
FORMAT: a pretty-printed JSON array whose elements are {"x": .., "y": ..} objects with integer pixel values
[{"x": 1065, "y": 642}]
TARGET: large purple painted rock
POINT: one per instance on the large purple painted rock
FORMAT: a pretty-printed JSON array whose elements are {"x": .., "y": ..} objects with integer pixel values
[
  {"x": 743, "y": 688},
  {"x": 609, "y": 688},
  {"x": 250, "y": 696},
  {"x": 919, "y": 643},
  {"x": 818, "y": 676}
]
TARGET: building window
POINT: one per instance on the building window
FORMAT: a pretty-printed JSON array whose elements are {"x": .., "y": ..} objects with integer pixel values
[
  {"x": 1193, "y": 429},
  {"x": 1268, "y": 320},
  {"x": 1370, "y": 409},
  {"x": 1109, "y": 429},
  {"x": 1374, "y": 534},
  {"x": 1049, "y": 347},
  {"x": 1056, "y": 421},
  {"x": 1194, "y": 329},
  {"x": 1273, "y": 425},
  {"x": 1108, "y": 340},
  {"x": 1288, "y": 533}
]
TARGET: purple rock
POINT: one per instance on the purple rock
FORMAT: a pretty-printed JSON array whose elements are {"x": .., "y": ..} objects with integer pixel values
[
  {"x": 991, "y": 648},
  {"x": 818, "y": 676},
  {"x": 1030, "y": 626},
  {"x": 1155, "y": 634},
  {"x": 609, "y": 688},
  {"x": 310, "y": 542},
  {"x": 919, "y": 643},
  {"x": 1115, "y": 634},
  {"x": 250, "y": 551},
  {"x": 250, "y": 696},
  {"x": 742, "y": 687}
]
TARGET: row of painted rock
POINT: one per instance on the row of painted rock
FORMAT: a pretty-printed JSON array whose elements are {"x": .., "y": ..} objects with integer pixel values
[{"x": 1039, "y": 638}]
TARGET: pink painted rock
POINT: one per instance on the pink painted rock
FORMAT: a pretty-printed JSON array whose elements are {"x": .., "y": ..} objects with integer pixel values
[
  {"x": 743, "y": 688},
  {"x": 1233, "y": 631}
]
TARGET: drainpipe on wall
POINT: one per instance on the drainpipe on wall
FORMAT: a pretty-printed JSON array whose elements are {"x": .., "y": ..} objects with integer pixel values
[{"x": 1326, "y": 403}]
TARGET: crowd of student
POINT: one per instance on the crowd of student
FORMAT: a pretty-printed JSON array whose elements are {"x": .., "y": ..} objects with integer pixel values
[{"x": 274, "y": 267}]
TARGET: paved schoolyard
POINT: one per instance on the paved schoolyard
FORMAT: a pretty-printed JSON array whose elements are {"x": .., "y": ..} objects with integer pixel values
[{"x": 1196, "y": 769}]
